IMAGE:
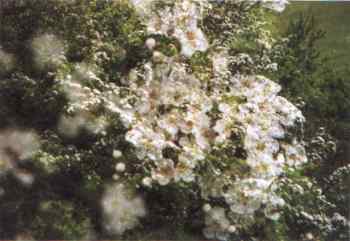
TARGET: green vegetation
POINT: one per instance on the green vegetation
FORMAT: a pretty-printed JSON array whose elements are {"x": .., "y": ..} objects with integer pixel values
[
  {"x": 313, "y": 69},
  {"x": 312, "y": 50},
  {"x": 333, "y": 18}
]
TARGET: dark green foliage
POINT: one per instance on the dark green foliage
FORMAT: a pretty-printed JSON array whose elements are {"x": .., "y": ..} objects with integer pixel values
[
  {"x": 68, "y": 221},
  {"x": 323, "y": 91},
  {"x": 311, "y": 81},
  {"x": 305, "y": 73},
  {"x": 28, "y": 102}
]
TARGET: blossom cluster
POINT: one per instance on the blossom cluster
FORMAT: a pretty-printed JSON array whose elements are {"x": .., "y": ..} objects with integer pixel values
[
  {"x": 181, "y": 124},
  {"x": 84, "y": 101},
  {"x": 180, "y": 20}
]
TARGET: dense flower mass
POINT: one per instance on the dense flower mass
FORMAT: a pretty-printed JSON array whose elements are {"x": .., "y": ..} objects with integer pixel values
[
  {"x": 231, "y": 134},
  {"x": 178, "y": 19}
]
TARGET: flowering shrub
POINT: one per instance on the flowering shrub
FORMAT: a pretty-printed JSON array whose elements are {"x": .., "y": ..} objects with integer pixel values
[
  {"x": 166, "y": 115},
  {"x": 228, "y": 133}
]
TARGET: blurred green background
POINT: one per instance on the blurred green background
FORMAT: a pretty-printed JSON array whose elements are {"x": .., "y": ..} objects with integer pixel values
[{"x": 332, "y": 17}]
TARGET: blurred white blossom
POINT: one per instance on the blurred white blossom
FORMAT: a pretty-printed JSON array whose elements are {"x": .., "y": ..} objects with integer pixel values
[
  {"x": 122, "y": 209},
  {"x": 117, "y": 154},
  {"x": 24, "y": 177},
  {"x": 7, "y": 61},
  {"x": 276, "y": 5},
  {"x": 120, "y": 167},
  {"x": 16, "y": 146},
  {"x": 49, "y": 51}
]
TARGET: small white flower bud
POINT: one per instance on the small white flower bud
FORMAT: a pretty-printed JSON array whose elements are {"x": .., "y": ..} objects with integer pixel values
[
  {"x": 150, "y": 43},
  {"x": 309, "y": 236},
  {"x": 206, "y": 207},
  {"x": 147, "y": 181},
  {"x": 115, "y": 177},
  {"x": 231, "y": 229},
  {"x": 117, "y": 154},
  {"x": 120, "y": 167},
  {"x": 158, "y": 57}
]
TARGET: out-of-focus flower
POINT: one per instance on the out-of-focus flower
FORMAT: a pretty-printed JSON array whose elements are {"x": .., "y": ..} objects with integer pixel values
[
  {"x": 16, "y": 146},
  {"x": 24, "y": 236},
  {"x": 71, "y": 126},
  {"x": 120, "y": 167},
  {"x": 309, "y": 236},
  {"x": 117, "y": 154},
  {"x": 276, "y": 5},
  {"x": 232, "y": 229},
  {"x": 49, "y": 51},
  {"x": 147, "y": 181},
  {"x": 24, "y": 177},
  {"x": 7, "y": 61},
  {"x": 150, "y": 43},
  {"x": 122, "y": 209},
  {"x": 216, "y": 223},
  {"x": 116, "y": 177},
  {"x": 206, "y": 207}
]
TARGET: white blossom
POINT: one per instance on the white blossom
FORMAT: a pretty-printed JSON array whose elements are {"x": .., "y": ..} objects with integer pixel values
[
  {"x": 7, "y": 61},
  {"x": 206, "y": 207},
  {"x": 151, "y": 43},
  {"x": 16, "y": 146},
  {"x": 147, "y": 181},
  {"x": 121, "y": 208},
  {"x": 117, "y": 154},
  {"x": 48, "y": 50},
  {"x": 120, "y": 167},
  {"x": 188, "y": 129}
]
